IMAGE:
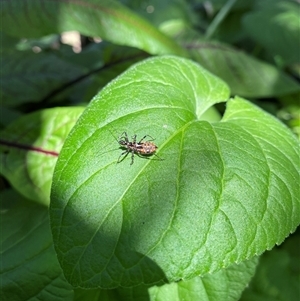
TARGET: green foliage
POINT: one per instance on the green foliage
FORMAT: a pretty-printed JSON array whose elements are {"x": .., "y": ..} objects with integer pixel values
[
  {"x": 33, "y": 143},
  {"x": 29, "y": 267},
  {"x": 194, "y": 188},
  {"x": 276, "y": 27},
  {"x": 193, "y": 220},
  {"x": 244, "y": 74},
  {"x": 277, "y": 274},
  {"x": 108, "y": 20},
  {"x": 39, "y": 69}
]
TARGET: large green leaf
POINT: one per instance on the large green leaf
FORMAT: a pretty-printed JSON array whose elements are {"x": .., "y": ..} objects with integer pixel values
[
  {"x": 107, "y": 19},
  {"x": 29, "y": 266},
  {"x": 225, "y": 191},
  {"x": 30, "y": 147}
]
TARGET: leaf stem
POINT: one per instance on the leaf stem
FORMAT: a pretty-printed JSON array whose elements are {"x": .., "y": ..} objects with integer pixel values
[{"x": 219, "y": 18}]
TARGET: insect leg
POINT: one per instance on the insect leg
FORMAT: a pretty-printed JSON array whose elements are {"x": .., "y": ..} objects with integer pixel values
[
  {"x": 134, "y": 139},
  {"x": 124, "y": 135},
  {"x": 132, "y": 157},
  {"x": 145, "y": 137},
  {"x": 125, "y": 153},
  {"x": 161, "y": 159}
]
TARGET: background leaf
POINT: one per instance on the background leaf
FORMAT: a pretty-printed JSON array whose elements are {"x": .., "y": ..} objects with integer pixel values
[
  {"x": 276, "y": 27},
  {"x": 277, "y": 274},
  {"x": 50, "y": 77},
  {"x": 226, "y": 285},
  {"x": 34, "y": 75},
  {"x": 245, "y": 75},
  {"x": 159, "y": 12},
  {"x": 33, "y": 273},
  {"x": 222, "y": 188},
  {"x": 109, "y": 20},
  {"x": 30, "y": 147}
]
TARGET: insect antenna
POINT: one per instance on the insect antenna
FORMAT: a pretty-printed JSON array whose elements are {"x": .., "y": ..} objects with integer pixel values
[
  {"x": 113, "y": 135},
  {"x": 120, "y": 146}
]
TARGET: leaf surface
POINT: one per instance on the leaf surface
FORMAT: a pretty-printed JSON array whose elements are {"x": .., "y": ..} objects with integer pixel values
[{"x": 223, "y": 193}]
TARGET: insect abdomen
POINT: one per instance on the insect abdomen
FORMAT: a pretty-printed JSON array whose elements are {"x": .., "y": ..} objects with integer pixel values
[{"x": 148, "y": 148}]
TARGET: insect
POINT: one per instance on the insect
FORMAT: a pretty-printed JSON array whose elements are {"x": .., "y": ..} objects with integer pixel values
[{"x": 142, "y": 147}]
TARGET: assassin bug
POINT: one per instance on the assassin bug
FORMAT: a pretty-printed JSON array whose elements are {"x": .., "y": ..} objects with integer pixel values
[{"x": 142, "y": 147}]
